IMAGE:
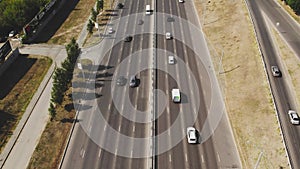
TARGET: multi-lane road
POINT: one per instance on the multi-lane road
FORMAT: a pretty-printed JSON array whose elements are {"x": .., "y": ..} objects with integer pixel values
[
  {"x": 262, "y": 11},
  {"x": 116, "y": 125}
]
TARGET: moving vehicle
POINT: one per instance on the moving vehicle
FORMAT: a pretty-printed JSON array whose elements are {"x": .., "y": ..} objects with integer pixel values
[
  {"x": 110, "y": 30},
  {"x": 128, "y": 38},
  {"x": 275, "y": 71},
  {"x": 133, "y": 81},
  {"x": 168, "y": 35},
  {"x": 12, "y": 34},
  {"x": 181, "y": 1},
  {"x": 171, "y": 60},
  {"x": 121, "y": 81},
  {"x": 294, "y": 118},
  {"x": 148, "y": 10},
  {"x": 176, "y": 96},
  {"x": 191, "y": 135}
]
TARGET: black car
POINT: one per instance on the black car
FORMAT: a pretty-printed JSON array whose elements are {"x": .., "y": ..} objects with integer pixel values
[
  {"x": 121, "y": 81},
  {"x": 120, "y": 5},
  {"x": 133, "y": 81},
  {"x": 128, "y": 39}
]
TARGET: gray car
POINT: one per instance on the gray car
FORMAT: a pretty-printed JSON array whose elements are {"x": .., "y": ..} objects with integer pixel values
[{"x": 275, "y": 71}]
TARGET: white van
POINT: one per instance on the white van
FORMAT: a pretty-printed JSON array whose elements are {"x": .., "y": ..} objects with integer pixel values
[
  {"x": 148, "y": 10},
  {"x": 176, "y": 95}
]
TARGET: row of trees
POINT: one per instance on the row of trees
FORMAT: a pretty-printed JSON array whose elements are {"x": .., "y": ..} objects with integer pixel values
[
  {"x": 15, "y": 14},
  {"x": 295, "y": 5},
  {"x": 63, "y": 76},
  {"x": 99, "y": 7}
]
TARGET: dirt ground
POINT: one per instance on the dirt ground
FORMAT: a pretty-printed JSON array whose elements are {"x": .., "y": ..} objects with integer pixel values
[{"x": 229, "y": 30}]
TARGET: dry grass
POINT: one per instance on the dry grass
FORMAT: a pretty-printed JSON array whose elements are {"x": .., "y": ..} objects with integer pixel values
[
  {"x": 247, "y": 96},
  {"x": 48, "y": 152},
  {"x": 103, "y": 19},
  {"x": 17, "y": 87},
  {"x": 74, "y": 23},
  {"x": 53, "y": 140},
  {"x": 290, "y": 63}
]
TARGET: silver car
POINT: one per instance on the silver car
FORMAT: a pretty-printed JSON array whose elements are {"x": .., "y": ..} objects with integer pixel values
[{"x": 275, "y": 71}]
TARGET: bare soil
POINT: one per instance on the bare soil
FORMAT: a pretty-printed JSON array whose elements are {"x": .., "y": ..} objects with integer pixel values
[{"x": 230, "y": 33}]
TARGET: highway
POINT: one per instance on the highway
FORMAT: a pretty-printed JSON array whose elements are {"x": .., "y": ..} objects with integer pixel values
[
  {"x": 107, "y": 108},
  {"x": 86, "y": 153},
  {"x": 184, "y": 155},
  {"x": 280, "y": 89}
]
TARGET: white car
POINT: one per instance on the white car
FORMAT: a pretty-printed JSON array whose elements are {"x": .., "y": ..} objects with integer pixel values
[
  {"x": 111, "y": 30},
  {"x": 168, "y": 35},
  {"x": 181, "y": 1},
  {"x": 294, "y": 118},
  {"x": 171, "y": 60},
  {"x": 191, "y": 135},
  {"x": 11, "y": 34}
]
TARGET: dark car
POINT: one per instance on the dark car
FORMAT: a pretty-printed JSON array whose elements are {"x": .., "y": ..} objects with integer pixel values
[
  {"x": 133, "y": 81},
  {"x": 121, "y": 81},
  {"x": 128, "y": 38},
  {"x": 120, "y": 5},
  {"x": 140, "y": 22},
  {"x": 170, "y": 19}
]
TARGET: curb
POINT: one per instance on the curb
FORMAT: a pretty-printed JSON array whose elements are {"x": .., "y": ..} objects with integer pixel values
[
  {"x": 21, "y": 124},
  {"x": 83, "y": 38}
]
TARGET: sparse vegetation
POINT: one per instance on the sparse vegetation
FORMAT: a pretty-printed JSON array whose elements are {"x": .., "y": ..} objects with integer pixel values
[
  {"x": 227, "y": 24},
  {"x": 19, "y": 83}
]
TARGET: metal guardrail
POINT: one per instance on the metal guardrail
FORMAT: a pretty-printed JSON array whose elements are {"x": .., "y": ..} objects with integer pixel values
[{"x": 154, "y": 129}]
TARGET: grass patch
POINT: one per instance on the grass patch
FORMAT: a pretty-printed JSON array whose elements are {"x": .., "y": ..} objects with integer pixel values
[
  {"x": 74, "y": 23},
  {"x": 53, "y": 140},
  {"x": 247, "y": 96},
  {"x": 18, "y": 85},
  {"x": 49, "y": 151}
]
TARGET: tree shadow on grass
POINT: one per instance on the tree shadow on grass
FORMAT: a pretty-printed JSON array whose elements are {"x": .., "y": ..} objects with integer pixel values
[
  {"x": 55, "y": 23},
  {"x": 14, "y": 74},
  {"x": 6, "y": 121}
]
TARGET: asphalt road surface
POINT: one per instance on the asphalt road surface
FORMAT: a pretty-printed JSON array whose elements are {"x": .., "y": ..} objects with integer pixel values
[
  {"x": 283, "y": 98},
  {"x": 183, "y": 155},
  {"x": 94, "y": 143}
]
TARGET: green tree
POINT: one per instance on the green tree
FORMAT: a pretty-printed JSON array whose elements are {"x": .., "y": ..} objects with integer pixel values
[
  {"x": 90, "y": 26},
  {"x": 295, "y": 5},
  {"x": 100, "y": 4},
  {"x": 94, "y": 14},
  {"x": 59, "y": 85},
  {"x": 52, "y": 111},
  {"x": 16, "y": 13}
]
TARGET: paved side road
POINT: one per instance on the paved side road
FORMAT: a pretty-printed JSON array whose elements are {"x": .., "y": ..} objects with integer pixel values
[{"x": 18, "y": 150}]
